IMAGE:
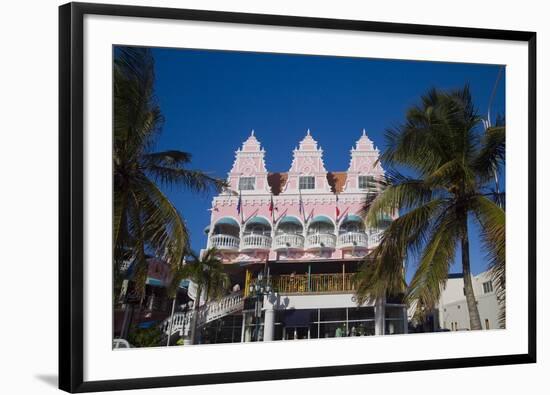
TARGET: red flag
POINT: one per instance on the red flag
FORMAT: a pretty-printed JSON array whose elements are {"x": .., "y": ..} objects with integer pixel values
[{"x": 337, "y": 208}]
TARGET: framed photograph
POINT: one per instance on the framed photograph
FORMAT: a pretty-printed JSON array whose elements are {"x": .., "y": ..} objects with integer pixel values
[{"x": 250, "y": 197}]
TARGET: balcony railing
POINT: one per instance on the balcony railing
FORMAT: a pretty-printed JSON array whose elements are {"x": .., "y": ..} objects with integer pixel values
[
  {"x": 374, "y": 239},
  {"x": 256, "y": 242},
  {"x": 321, "y": 240},
  {"x": 314, "y": 283},
  {"x": 288, "y": 240},
  {"x": 225, "y": 242},
  {"x": 353, "y": 239}
]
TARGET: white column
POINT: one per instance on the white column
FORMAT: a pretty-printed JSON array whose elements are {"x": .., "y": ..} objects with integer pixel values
[
  {"x": 379, "y": 316},
  {"x": 269, "y": 324},
  {"x": 243, "y": 328}
]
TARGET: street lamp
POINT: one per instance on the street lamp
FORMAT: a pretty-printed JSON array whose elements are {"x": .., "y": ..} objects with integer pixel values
[{"x": 258, "y": 291}]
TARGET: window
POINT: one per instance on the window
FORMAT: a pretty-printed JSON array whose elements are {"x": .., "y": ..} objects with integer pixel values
[
  {"x": 395, "y": 320},
  {"x": 307, "y": 182},
  {"x": 366, "y": 182},
  {"x": 247, "y": 183},
  {"x": 487, "y": 287}
]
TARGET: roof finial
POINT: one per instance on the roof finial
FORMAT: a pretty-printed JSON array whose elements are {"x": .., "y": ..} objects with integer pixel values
[
  {"x": 364, "y": 132},
  {"x": 308, "y": 132},
  {"x": 252, "y": 133}
]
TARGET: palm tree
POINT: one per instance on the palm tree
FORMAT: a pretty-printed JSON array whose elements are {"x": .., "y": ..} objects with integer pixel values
[
  {"x": 207, "y": 272},
  {"x": 145, "y": 221},
  {"x": 450, "y": 168},
  {"x": 179, "y": 273}
]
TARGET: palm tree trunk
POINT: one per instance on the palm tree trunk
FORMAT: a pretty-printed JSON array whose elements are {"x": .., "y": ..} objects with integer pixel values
[
  {"x": 195, "y": 317},
  {"x": 128, "y": 312},
  {"x": 475, "y": 322}
]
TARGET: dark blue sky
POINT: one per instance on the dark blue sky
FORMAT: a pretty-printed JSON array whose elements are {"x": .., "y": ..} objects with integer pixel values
[{"x": 212, "y": 99}]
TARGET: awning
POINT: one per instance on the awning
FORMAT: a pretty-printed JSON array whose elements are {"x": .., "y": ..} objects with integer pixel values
[
  {"x": 159, "y": 283},
  {"x": 227, "y": 221},
  {"x": 289, "y": 219},
  {"x": 258, "y": 220},
  {"x": 321, "y": 218},
  {"x": 155, "y": 282},
  {"x": 352, "y": 218}
]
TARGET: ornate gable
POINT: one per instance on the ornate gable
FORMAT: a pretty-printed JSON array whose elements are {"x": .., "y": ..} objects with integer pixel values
[
  {"x": 363, "y": 162},
  {"x": 307, "y": 161},
  {"x": 250, "y": 162}
]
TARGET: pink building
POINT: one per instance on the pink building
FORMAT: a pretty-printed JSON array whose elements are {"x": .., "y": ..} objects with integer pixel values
[
  {"x": 304, "y": 214},
  {"x": 291, "y": 243}
]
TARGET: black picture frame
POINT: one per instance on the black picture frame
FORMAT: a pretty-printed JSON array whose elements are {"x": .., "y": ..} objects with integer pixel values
[{"x": 71, "y": 195}]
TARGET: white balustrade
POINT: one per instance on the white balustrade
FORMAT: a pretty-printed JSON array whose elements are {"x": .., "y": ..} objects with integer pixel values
[
  {"x": 321, "y": 240},
  {"x": 288, "y": 240},
  {"x": 353, "y": 239},
  {"x": 253, "y": 241},
  {"x": 224, "y": 242},
  {"x": 375, "y": 238},
  {"x": 180, "y": 321},
  {"x": 217, "y": 309},
  {"x": 209, "y": 312}
]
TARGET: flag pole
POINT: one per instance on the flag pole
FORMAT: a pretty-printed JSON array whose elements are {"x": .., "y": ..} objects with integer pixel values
[
  {"x": 240, "y": 204},
  {"x": 301, "y": 202}
]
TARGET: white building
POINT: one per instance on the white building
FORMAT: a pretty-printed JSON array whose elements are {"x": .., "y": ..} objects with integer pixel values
[{"x": 452, "y": 310}]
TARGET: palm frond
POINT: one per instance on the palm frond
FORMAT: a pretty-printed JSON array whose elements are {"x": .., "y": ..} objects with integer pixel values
[
  {"x": 171, "y": 158},
  {"x": 178, "y": 273},
  {"x": 452, "y": 176},
  {"x": 193, "y": 180},
  {"x": 164, "y": 227},
  {"x": 141, "y": 266},
  {"x": 492, "y": 153},
  {"x": 137, "y": 116},
  {"x": 438, "y": 255},
  {"x": 492, "y": 220},
  {"x": 383, "y": 270},
  {"x": 399, "y": 192},
  {"x": 119, "y": 218},
  {"x": 209, "y": 274}
]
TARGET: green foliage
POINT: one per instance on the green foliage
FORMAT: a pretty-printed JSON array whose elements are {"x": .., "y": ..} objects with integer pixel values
[
  {"x": 150, "y": 337},
  {"x": 209, "y": 274},
  {"x": 144, "y": 219},
  {"x": 451, "y": 166}
]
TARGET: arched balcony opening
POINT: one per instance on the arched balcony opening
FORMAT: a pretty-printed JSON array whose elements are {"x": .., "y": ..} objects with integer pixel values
[
  {"x": 375, "y": 234},
  {"x": 289, "y": 234},
  {"x": 320, "y": 233},
  {"x": 351, "y": 233},
  {"x": 225, "y": 235},
  {"x": 257, "y": 234}
]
